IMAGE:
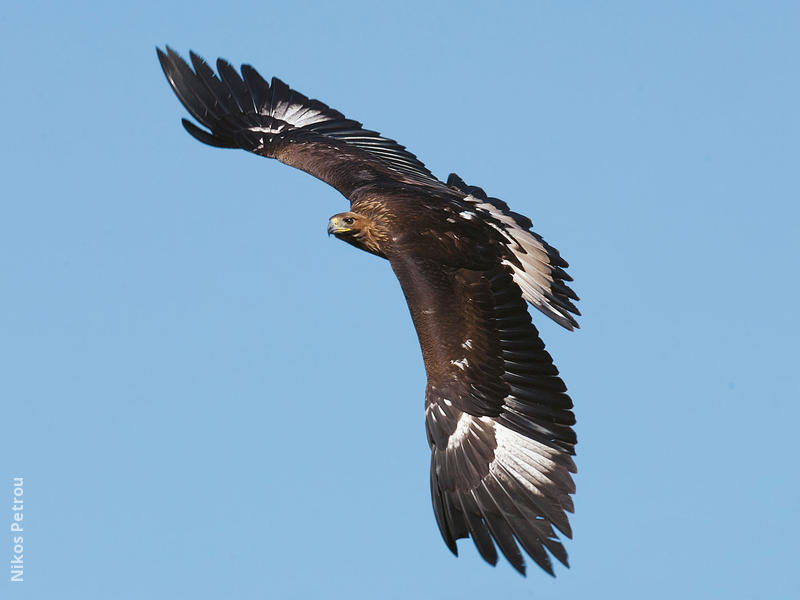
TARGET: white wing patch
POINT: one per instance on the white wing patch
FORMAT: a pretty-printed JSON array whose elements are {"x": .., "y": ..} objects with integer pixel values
[
  {"x": 524, "y": 459},
  {"x": 535, "y": 276},
  {"x": 298, "y": 115},
  {"x": 461, "y": 363},
  {"x": 463, "y": 429},
  {"x": 290, "y": 116},
  {"x": 270, "y": 130},
  {"x": 464, "y": 423},
  {"x": 527, "y": 460}
]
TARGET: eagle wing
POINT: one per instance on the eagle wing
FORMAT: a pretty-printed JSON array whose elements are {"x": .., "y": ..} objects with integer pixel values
[
  {"x": 243, "y": 110},
  {"x": 496, "y": 412},
  {"x": 537, "y": 267},
  {"x": 272, "y": 120}
]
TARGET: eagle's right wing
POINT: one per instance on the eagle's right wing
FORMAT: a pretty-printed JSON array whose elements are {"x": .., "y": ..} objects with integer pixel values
[
  {"x": 271, "y": 119},
  {"x": 497, "y": 415}
]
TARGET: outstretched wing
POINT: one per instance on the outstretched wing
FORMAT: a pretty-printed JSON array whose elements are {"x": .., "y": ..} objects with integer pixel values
[
  {"x": 497, "y": 415},
  {"x": 537, "y": 267},
  {"x": 271, "y": 119}
]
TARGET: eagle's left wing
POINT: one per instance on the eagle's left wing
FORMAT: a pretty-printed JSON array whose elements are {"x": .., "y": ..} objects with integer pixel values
[
  {"x": 496, "y": 412},
  {"x": 536, "y": 266}
]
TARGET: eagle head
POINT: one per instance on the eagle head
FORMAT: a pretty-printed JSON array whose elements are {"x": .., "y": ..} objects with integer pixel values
[{"x": 355, "y": 229}]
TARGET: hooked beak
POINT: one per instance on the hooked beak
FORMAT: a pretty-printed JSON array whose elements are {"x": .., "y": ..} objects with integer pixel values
[{"x": 336, "y": 226}]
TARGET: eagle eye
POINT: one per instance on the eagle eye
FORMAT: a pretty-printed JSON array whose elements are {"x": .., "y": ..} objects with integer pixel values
[{"x": 349, "y": 220}]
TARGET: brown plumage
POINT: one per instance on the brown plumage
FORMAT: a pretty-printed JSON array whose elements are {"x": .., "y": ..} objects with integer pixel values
[{"x": 496, "y": 412}]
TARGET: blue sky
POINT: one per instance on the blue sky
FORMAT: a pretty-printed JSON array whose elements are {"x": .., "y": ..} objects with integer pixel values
[{"x": 207, "y": 397}]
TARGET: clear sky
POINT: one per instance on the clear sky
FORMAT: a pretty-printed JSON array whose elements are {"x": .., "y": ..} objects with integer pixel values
[{"x": 207, "y": 397}]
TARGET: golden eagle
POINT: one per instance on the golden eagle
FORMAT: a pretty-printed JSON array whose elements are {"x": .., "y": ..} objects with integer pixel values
[{"x": 496, "y": 413}]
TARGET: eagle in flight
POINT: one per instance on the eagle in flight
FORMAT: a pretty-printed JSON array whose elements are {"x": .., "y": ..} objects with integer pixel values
[{"x": 497, "y": 417}]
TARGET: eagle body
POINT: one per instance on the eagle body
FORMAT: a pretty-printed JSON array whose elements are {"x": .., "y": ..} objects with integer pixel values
[{"x": 497, "y": 416}]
